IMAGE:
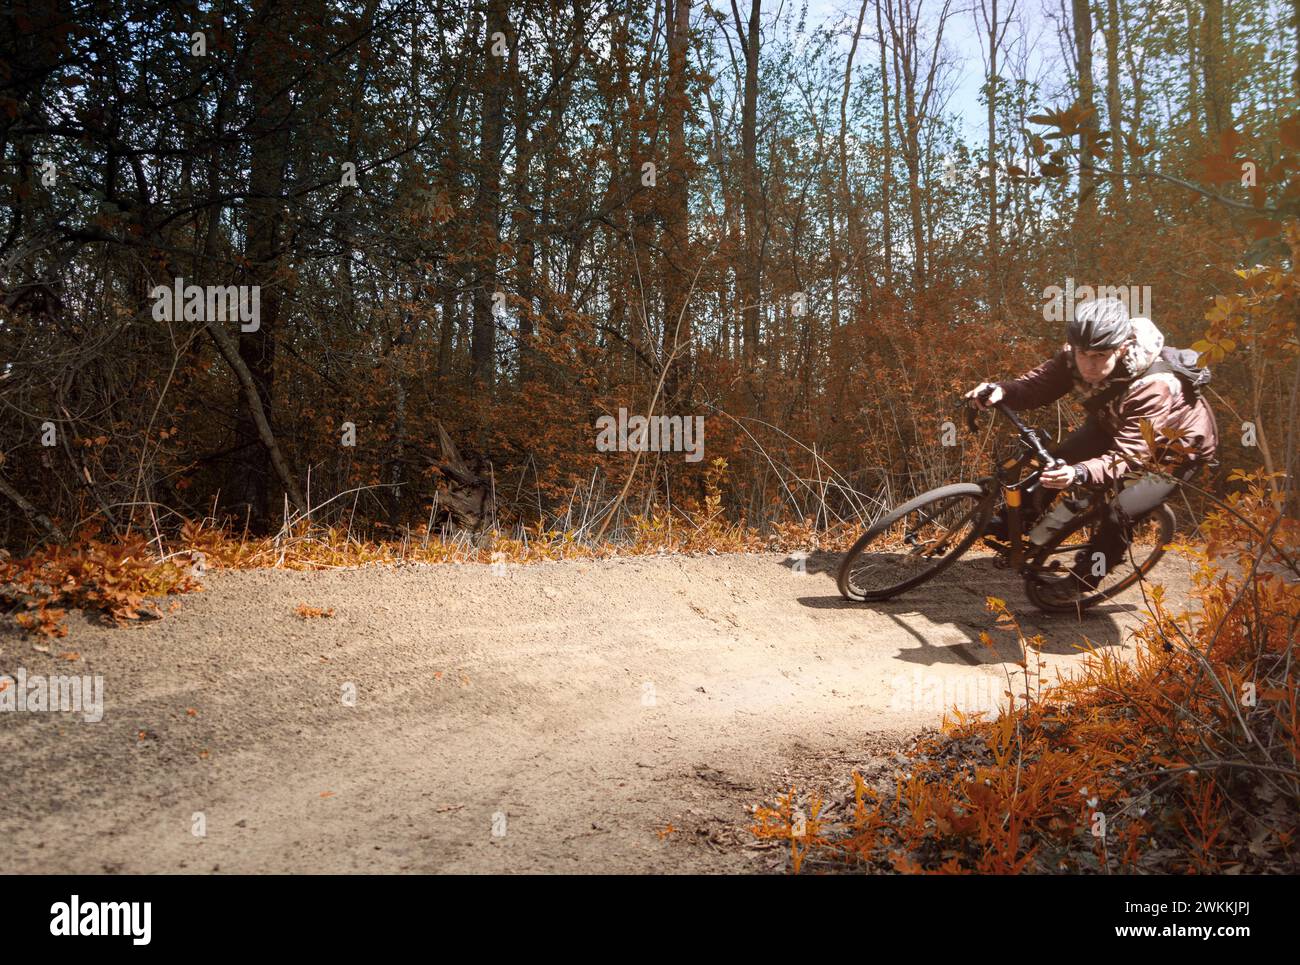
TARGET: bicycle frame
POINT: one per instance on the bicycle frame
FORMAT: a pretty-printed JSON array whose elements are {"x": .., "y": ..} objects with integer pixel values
[
  {"x": 873, "y": 569},
  {"x": 1012, "y": 492}
]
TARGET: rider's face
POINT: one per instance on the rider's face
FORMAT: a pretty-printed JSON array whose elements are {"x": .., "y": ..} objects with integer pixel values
[{"x": 1096, "y": 365}]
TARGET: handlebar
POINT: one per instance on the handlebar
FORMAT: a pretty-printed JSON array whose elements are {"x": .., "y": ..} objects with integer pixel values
[{"x": 1027, "y": 435}]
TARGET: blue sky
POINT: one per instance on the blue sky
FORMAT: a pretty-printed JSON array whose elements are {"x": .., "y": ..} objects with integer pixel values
[{"x": 962, "y": 44}]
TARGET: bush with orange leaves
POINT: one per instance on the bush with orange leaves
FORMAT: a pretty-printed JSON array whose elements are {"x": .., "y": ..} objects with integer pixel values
[
  {"x": 1183, "y": 759},
  {"x": 114, "y": 580},
  {"x": 789, "y": 821}
]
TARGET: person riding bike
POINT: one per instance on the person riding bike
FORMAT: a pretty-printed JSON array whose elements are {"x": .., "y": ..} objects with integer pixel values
[{"x": 1108, "y": 363}]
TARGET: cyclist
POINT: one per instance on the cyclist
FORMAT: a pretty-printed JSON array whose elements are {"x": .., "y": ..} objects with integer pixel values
[{"x": 1108, "y": 362}]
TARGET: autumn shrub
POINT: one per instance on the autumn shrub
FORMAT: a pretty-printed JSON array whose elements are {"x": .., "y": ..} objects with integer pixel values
[
  {"x": 1184, "y": 755},
  {"x": 1183, "y": 758},
  {"x": 118, "y": 581}
]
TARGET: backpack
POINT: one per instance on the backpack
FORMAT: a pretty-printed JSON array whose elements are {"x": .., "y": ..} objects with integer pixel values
[{"x": 1180, "y": 361}]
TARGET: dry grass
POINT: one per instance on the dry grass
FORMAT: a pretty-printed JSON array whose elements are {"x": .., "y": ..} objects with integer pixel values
[{"x": 119, "y": 580}]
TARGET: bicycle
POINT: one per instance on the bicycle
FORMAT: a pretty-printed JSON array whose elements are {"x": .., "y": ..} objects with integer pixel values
[{"x": 926, "y": 535}]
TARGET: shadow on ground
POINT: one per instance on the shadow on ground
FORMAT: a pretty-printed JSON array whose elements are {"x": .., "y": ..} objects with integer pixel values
[{"x": 954, "y": 602}]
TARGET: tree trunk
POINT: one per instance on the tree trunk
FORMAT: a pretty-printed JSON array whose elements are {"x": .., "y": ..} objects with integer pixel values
[
  {"x": 397, "y": 443},
  {"x": 255, "y": 463},
  {"x": 728, "y": 319},
  {"x": 676, "y": 274},
  {"x": 1218, "y": 84},
  {"x": 846, "y": 193},
  {"x": 31, "y": 512},
  {"x": 992, "y": 88},
  {"x": 750, "y": 275},
  {"x": 1083, "y": 61},
  {"x": 1136, "y": 69},
  {"x": 487, "y": 204},
  {"x": 448, "y": 320},
  {"x": 1113, "y": 100},
  {"x": 261, "y": 423},
  {"x": 525, "y": 248},
  {"x": 887, "y": 163},
  {"x": 1193, "y": 82}
]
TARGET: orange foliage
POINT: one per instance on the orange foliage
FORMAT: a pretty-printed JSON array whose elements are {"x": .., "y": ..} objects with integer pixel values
[
  {"x": 787, "y": 821},
  {"x": 1186, "y": 758},
  {"x": 115, "y": 581},
  {"x": 306, "y": 612}
]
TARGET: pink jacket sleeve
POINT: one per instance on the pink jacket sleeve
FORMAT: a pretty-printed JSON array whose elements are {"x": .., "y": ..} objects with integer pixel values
[
  {"x": 1154, "y": 401},
  {"x": 1048, "y": 382}
]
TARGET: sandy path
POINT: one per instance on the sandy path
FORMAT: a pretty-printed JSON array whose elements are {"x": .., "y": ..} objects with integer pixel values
[{"x": 553, "y": 717}]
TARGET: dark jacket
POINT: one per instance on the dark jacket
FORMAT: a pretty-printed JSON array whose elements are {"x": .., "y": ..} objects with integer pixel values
[{"x": 1159, "y": 397}]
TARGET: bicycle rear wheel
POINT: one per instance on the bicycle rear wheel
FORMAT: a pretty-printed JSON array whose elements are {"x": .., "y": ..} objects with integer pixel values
[
  {"x": 915, "y": 542},
  {"x": 1151, "y": 533}
]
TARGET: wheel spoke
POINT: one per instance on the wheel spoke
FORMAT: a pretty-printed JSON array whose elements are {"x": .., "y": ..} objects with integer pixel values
[
  {"x": 914, "y": 546},
  {"x": 1146, "y": 545},
  {"x": 1141, "y": 553}
]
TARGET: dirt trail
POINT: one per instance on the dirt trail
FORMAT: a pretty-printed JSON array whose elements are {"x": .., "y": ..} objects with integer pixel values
[{"x": 553, "y": 717}]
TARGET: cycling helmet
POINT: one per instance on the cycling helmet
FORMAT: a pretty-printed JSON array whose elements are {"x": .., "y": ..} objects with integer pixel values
[{"x": 1100, "y": 323}]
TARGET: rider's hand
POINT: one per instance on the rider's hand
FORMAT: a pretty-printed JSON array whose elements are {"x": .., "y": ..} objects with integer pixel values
[
  {"x": 993, "y": 397},
  {"x": 1058, "y": 477}
]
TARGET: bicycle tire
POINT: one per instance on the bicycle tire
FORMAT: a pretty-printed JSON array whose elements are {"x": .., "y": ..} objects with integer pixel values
[
  {"x": 1164, "y": 519},
  {"x": 981, "y": 499}
]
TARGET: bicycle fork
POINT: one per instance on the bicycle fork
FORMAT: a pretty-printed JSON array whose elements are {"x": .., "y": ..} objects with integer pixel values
[{"x": 1011, "y": 495}]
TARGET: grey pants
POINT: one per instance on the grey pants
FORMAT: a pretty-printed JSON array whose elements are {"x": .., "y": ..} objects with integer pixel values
[{"x": 1112, "y": 537}]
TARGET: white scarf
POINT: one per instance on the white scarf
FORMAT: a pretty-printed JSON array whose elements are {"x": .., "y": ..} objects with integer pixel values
[{"x": 1142, "y": 348}]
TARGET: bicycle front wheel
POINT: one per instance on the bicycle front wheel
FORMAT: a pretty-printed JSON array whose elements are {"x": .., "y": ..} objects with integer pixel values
[{"x": 915, "y": 542}]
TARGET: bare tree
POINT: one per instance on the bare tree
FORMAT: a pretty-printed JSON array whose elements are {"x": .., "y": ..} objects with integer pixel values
[
  {"x": 750, "y": 276},
  {"x": 487, "y": 204},
  {"x": 887, "y": 157},
  {"x": 846, "y": 193},
  {"x": 1082, "y": 11},
  {"x": 916, "y": 67},
  {"x": 1114, "y": 107},
  {"x": 676, "y": 234},
  {"x": 995, "y": 32}
]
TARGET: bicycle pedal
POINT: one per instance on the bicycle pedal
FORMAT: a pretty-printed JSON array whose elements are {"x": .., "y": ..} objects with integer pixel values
[{"x": 1002, "y": 560}]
